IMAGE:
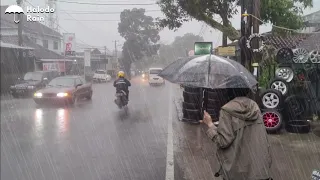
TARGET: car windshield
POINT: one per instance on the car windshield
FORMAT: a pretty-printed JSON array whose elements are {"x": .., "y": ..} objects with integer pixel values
[
  {"x": 100, "y": 72},
  {"x": 62, "y": 82},
  {"x": 33, "y": 76},
  {"x": 155, "y": 71}
]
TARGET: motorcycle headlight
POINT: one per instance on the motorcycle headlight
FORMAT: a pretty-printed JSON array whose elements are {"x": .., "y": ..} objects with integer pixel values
[
  {"x": 30, "y": 87},
  {"x": 38, "y": 95},
  {"x": 62, "y": 94}
]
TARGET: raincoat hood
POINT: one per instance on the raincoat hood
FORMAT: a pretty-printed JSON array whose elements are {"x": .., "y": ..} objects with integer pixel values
[{"x": 243, "y": 108}]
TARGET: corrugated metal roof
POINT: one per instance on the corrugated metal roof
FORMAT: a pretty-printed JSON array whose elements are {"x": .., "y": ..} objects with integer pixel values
[
  {"x": 39, "y": 51},
  {"x": 7, "y": 45}
]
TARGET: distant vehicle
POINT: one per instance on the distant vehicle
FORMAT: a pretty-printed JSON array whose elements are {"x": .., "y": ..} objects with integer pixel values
[
  {"x": 154, "y": 78},
  {"x": 31, "y": 82},
  {"x": 101, "y": 76},
  {"x": 66, "y": 89}
]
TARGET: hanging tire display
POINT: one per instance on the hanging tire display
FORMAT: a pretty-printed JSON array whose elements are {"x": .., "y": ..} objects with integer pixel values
[
  {"x": 284, "y": 55},
  {"x": 285, "y": 73},
  {"x": 300, "y": 55},
  {"x": 298, "y": 126},
  {"x": 294, "y": 106},
  {"x": 314, "y": 57},
  {"x": 280, "y": 85},
  {"x": 191, "y": 97},
  {"x": 272, "y": 120},
  {"x": 256, "y": 36},
  {"x": 271, "y": 99}
]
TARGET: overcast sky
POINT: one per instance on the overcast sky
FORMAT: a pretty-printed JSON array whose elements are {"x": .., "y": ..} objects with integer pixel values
[{"x": 104, "y": 33}]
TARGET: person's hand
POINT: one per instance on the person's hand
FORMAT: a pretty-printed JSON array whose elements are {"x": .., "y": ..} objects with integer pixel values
[{"x": 207, "y": 119}]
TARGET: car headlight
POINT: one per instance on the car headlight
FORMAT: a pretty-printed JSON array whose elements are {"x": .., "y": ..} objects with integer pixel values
[
  {"x": 12, "y": 87},
  {"x": 143, "y": 75},
  {"x": 62, "y": 94},
  {"x": 30, "y": 87},
  {"x": 38, "y": 95}
]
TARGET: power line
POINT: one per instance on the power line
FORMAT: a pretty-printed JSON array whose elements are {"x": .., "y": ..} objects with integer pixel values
[
  {"x": 107, "y": 4},
  {"x": 103, "y": 12},
  {"x": 92, "y": 20}
]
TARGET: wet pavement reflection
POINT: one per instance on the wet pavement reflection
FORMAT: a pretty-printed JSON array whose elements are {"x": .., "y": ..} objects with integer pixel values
[{"x": 91, "y": 140}]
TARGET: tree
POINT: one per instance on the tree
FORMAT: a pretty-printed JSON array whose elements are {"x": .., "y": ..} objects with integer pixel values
[
  {"x": 179, "y": 47},
  {"x": 141, "y": 35},
  {"x": 285, "y": 13}
]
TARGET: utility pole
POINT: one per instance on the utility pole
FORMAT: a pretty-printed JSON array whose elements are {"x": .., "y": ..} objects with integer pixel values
[
  {"x": 20, "y": 25},
  {"x": 243, "y": 31},
  {"x": 105, "y": 56}
]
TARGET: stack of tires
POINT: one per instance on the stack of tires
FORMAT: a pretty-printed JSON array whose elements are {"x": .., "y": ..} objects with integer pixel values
[
  {"x": 192, "y": 104},
  {"x": 214, "y": 99},
  {"x": 281, "y": 100}
]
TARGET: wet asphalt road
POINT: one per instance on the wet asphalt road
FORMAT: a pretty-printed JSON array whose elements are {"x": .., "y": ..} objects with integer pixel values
[{"x": 93, "y": 140}]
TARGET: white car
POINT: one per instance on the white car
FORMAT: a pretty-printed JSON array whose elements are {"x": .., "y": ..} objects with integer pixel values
[
  {"x": 154, "y": 78},
  {"x": 101, "y": 76}
]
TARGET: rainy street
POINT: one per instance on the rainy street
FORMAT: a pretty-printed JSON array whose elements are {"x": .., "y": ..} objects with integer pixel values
[{"x": 92, "y": 140}]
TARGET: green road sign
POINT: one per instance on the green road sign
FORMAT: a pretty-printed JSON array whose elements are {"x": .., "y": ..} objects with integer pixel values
[{"x": 202, "y": 48}]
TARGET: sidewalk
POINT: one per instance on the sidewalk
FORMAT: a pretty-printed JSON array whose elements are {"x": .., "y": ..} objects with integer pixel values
[{"x": 295, "y": 156}]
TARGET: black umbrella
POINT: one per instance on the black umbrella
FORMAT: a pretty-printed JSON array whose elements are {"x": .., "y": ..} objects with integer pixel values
[{"x": 208, "y": 71}]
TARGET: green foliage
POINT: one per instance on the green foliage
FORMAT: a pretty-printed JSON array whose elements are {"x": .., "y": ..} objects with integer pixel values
[
  {"x": 178, "y": 48},
  {"x": 141, "y": 35},
  {"x": 285, "y": 13}
]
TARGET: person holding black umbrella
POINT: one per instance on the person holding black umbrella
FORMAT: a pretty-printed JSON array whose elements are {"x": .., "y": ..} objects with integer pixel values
[{"x": 243, "y": 149}]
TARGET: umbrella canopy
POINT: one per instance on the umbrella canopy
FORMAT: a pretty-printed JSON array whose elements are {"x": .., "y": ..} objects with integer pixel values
[{"x": 219, "y": 73}]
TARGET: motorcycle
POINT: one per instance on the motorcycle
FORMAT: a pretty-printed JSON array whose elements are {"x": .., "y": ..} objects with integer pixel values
[{"x": 121, "y": 99}]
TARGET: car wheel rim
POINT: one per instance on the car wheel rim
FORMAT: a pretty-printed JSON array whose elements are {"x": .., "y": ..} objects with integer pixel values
[
  {"x": 285, "y": 74},
  {"x": 280, "y": 86},
  {"x": 271, "y": 119},
  {"x": 300, "y": 56},
  {"x": 270, "y": 100}
]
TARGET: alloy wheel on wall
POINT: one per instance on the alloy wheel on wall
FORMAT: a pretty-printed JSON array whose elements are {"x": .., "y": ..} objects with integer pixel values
[
  {"x": 271, "y": 99},
  {"x": 280, "y": 85},
  {"x": 285, "y": 73},
  {"x": 272, "y": 120}
]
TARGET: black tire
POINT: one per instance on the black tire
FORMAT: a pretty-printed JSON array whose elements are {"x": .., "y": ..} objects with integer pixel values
[
  {"x": 280, "y": 85},
  {"x": 294, "y": 107},
  {"x": 72, "y": 101},
  {"x": 192, "y": 106},
  {"x": 191, "y": 89},
  {"x": 268, "y": 99},
  {"x": 298, "y": 126},
  {"x": 191, "y": 114},
  {"x": 214, "y": 113},
  {"x": 272, "y": 120},
  {"x": 191, "y": 97},
  {"x": 89, "y": 96}
]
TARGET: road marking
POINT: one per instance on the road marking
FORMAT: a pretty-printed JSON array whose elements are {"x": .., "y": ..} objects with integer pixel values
[{"x": 170, "y": 158}]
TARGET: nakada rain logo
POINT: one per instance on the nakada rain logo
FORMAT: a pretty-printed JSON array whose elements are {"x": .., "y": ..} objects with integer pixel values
[{"x": 14, "y": 9}]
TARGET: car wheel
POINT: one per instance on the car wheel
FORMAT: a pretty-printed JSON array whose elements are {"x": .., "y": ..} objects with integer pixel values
[
  {"x": 284, "y": 73},
  {"x": 191, "y": 97},
  {"x": 271, "y": 99},
  {"x": 280, "y": 85},
  {"x": 89, "y": 96},
  {"x": 73, "y": 100},
  {"x": 294, "y": 106},
  {"x": 284, "y": 55},
  {"x": 15, "y": 95},
  {"x": 298, "y": 126},
  {"x": 272, "y": 120}
]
